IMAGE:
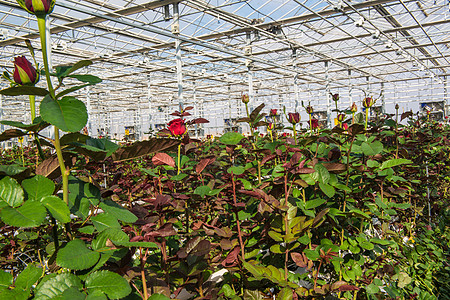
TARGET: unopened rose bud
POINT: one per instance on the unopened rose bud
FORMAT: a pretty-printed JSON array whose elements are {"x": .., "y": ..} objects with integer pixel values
[
  {"x": 368, "y": 102},
  {"x": 273, "y": 112},
  {"x": 24, "y": 72},
  {"x": 354, "y": 108},
  {"x": 341, "y": 118},
  {"x": 37, "y": 7},
  {"x": 396, "y": 106},
  {"x": 294, "y": 118},
  {"x": 245, "y": 98},
  {"x": 309, "y": 109}
]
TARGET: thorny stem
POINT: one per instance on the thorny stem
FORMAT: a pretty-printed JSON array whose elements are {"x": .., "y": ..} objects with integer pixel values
[
  {"x": 241, "y": 243},
  {"x": 64, "y": 171},
  {"x": 367, "y": 117},
  {"x": 144, "y": 280},
  {"x": 295, "y": 133},
  {"x": 286, "y": 226},
  {"x": 179, "y": 159}
]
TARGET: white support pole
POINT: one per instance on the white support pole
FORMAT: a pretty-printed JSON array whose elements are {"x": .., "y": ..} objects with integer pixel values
[
  {"x": 383, "y": 102},
  {"x": 89, "y": 110},
  {"x": 350, "y": 89},
  {"x": 149, "y": 101},
  {"x": 179, "y": 66},
  {"x": 446, "y": 98},
  {"x": 297, "y": 96},
  {"x": 327, "y": 91},
  {"x": 250, "y": 88}
]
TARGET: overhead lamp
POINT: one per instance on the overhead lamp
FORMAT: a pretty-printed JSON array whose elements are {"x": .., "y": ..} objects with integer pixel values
[
  {"x": 338, "y": 6},
  {"x": 359, "y": 22},
  {"x": 376, "y": 34},
  {"x": 398, "y": 52},
  {"x": 4, "y": 34},
  {"x": 389, "y": 44}
]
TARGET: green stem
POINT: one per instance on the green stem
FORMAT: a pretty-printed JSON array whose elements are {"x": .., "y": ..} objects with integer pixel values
[
  {"x": 179, "y": 159},
  {"x": 64, "y": 171},
  {"x": 62, "y": 167},
  {"x": 310, "y": 123},
  {"x": 32, "y": 106},
  {"x": 249, "y": 123},
  {"x": 367, "y": 116},
  {"x": 295, "y": 133},
  {"x": 42, "y": 34},
  {"x": 21, "y": 153}
]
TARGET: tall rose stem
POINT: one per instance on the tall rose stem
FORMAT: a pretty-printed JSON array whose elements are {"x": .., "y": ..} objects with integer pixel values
[
  {"x": 367, "y": 116},
  {"x": 295, "y": 133},
  {"x": 179, "y": 159},
  {"x": 64, "y": 171}
]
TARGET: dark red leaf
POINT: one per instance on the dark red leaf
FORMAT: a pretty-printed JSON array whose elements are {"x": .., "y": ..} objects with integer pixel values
[{"x": 163, "y": 159}]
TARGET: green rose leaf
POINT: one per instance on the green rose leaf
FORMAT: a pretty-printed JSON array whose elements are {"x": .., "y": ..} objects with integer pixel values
[
  {"x": 119, "y": 212},
  {"x": 54, "y": 287},
  {"x": 76, "y": 256},
  {"x": 104, "y": 220},
  {"x": 69, "y": 114},
  {"x": 6, "y": 279},
  {"x": 327, "y": 189},
  {"x": 394, "y": 162},
  {"x": 112, "y": 284},
  {"x": 30, "y": 214},
  {"x": 24, "y": 90},
  {"x": 373, "y": 148},
  {"x": 10, "y": 192},
  {"x": 57, "y": 208},
  {"x": 29, "y": 276},
  {"x": 231, "y": 138},
  {"x": 38, "y": 187},
  {"x": 158, "y": 297}
]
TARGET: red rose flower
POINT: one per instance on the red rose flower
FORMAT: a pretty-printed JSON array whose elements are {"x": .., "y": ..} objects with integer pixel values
[
  {"x": 273, "y": 112},
  {"x": 314, "y": 123},
  {"x": 24, "y": 72},
  {"x": 177, "y": 127},
  {"x": 345, "y": 126},
  {"x": 294, "y": 118}
]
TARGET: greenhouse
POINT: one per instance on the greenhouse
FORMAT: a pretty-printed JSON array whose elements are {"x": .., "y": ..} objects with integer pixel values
[{"x": 236, "y": 149}]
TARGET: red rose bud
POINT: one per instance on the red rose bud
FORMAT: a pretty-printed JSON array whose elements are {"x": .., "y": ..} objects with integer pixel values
[
  {"x": 245, "y": 98},
  {"x": 270, "y": 126},
  {"x": 354, "y": 108},
  {"x": 309, "y": 109},
  {"x": 345, "y": 126},
  {"x": 24, "y": 72},
  {"x": 314, "y": 123},
  {"x": 341, "y": 118},
  {"x": 273, "y": 112},
  {"x": 37, "y": 7},
  {"x": 335, "y": 97},
  {"x": 177, "y": 127},
  {"x": 396, "y": 106},
  {"x": 294, "y": 118},
  {"x": 368, "y": 102}
]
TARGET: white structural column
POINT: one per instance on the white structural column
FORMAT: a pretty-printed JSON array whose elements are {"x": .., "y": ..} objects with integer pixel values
[
  {"x": 383, "y": 100},
  {"x": 446, "y": 98},
  {"x": 2, "y": 127},
  {"x": 350, "y": 89},
  {"x": 196, "y": 113},
  {"x": 149, "y": 101},
  {"x": 176, "y": 31},
  {"x": 327, "y": 91},
  {"x": 89, "y": 110},
  {"x": 296, "y": 91},
  {"x": 250, "y": 87}
]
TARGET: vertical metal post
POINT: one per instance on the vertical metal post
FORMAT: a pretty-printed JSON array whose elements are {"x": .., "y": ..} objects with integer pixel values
[
  {"x": 297, "y": 96},
  {"x": 327, "y": 91},
  {"x": 194, "y": 91},
  {"x": 176, "y": 31},
  {"x": 2, "y": 127},
  {"x": 446, "y": 99},
  {"x": 350, "y": 89},
  {"x": 383, "y": 102},
  {"x": 250, "y": 87},
  {"x": 149, "y": 101},
  {"x": 49, "y": 42},
  {"x": 89, "y": 110}
]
